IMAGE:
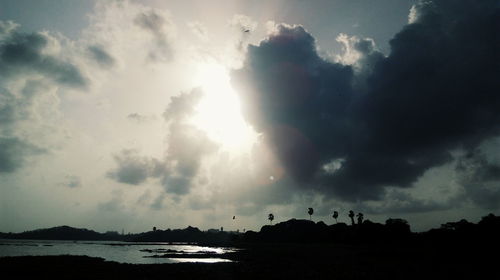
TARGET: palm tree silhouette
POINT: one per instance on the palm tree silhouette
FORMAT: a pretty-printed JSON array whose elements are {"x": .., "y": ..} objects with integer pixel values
[
  {"x": 351, "y": 215},
  {"x": 360, "y": 218},
  {"x": 335, "y": 216},
  {"x": 310, "y": 211},
  {"x": 270, "y": 217}
]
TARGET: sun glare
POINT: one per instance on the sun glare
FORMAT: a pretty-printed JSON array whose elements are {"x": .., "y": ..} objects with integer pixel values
[{"x": 218, "y": 113}]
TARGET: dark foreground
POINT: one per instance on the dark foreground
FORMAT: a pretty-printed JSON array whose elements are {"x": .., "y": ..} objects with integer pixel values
[{"x": 282, "y": 261}]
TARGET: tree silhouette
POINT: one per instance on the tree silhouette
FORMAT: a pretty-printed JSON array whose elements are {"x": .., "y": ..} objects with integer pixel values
[
  {"x": 351, "y": 215},
  {"x": 335, "y": 216},
  {"x": 270, "y": 217},
  {"x": 310, "y": 211},
  {"x": 360, "y": 218},
  {"x": 398, "y": 226}
]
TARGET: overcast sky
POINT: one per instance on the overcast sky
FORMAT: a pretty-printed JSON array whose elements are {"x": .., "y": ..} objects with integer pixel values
[{"x": 132, "y": 114}]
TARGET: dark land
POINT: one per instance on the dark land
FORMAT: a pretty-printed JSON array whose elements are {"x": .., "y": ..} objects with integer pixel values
[{"x": 300, "y": 249}]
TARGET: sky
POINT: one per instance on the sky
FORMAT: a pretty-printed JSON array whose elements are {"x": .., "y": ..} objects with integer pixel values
[{"x": 138, "y": 114}]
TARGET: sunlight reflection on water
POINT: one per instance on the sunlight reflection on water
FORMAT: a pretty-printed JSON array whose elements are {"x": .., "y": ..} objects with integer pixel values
[{"x": 122, "y": 252}]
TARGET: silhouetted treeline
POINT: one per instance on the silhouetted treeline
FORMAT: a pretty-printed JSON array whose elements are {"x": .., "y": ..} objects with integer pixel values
[
  {"x": 394, "y": 230},
  {"x": 189, "y": 235},
  {"x": 306, "y": 231},
  {"x": 485, "y": 232},
  {"x": 293, "y": 231}
]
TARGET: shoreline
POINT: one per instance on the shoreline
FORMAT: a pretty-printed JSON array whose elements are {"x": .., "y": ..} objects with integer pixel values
[{"x": 278, "y": 261}]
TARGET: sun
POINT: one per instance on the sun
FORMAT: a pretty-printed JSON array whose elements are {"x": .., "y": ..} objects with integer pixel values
[{"x": 219, "y": 113}]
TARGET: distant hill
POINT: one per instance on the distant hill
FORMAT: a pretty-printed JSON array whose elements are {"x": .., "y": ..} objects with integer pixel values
[{"x": 62, "y": 233}]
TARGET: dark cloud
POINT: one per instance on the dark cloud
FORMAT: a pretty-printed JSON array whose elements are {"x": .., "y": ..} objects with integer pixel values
[
  {"x": 363, "y": 55},
  {"x": 101, "y": 56},
  {"x": 22, "y": 53},
  {"x": 398, "y": 202},
  {"x": 13, "y": 153},
  {"x": 296, "y": 98},
  {"x": 157, "y": 24},
  {"x": 480, "y": 179},
  {"x": 436, "y": 92},
  {"x": 134, "y": 169}
]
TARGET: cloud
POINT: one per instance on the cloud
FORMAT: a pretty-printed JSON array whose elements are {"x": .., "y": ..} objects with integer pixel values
[
  {"x": 134, "y": 169},
  {"x": 72, "y": 181},
  {"x": 17, "y": 139},
  {"x": 400, "y": 202},
  {"x": 199, "y": 30},
  {"x": 386, "y": 120},
  {"x": 12, "y": 108},
  {"x": 159, "y": 26},
  {"x": 362, "y": 55},
  {"x": 297, "y": 99},
  {"x": 23, "y": 53},
  {"x": 115, "y": 204},
  {"x": 187, "y": 145},
  {"x": 101, "y": 56},
  {"x": 183, "y": 105},
  {"x": 139, "y": 118},
  {"x": 129, "y": 32},
  {"x": 13, "y": 152},
  {"x": 35, "y": 69},
  {"x": 480, "y": 179},
  {"x": 158, "y": 202}
]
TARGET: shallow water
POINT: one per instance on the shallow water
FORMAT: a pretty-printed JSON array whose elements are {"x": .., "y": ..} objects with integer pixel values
[{"x": 122, "y": 252}]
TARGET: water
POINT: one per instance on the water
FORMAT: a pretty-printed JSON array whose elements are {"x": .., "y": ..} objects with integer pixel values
[{"x": 122, "y": 252}]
